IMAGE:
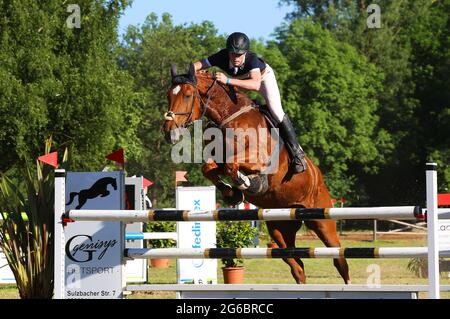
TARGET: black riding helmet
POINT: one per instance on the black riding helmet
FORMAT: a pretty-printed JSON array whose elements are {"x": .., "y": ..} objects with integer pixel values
[{"x": 238, "y": 43}]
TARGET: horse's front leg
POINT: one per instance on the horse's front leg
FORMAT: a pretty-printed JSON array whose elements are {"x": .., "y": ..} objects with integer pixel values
[
  {"x": 239, "y": 179},
  {"x": 255, "y": 184},
  {"x": 230, "y": 194}
]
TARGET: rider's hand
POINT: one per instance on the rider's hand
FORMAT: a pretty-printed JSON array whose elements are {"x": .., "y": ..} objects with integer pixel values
[{"x": 222, "y": 78}]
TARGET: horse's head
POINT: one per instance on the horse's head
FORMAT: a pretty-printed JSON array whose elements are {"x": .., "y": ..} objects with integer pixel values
[{"x": 185, "y": 104}]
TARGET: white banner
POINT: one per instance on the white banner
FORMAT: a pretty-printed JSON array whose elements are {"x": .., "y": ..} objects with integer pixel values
[
  {"x": 93, "y": 264},
  {"x": 444, "y": 234},
  {"x": 136, "y": 270},
  {"x": 196, "y": 235},
  {"x": 6, "y": 275}
]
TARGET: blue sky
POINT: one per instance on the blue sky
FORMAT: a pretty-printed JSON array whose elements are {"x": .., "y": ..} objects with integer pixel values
[{"x": 256, "y": 18}]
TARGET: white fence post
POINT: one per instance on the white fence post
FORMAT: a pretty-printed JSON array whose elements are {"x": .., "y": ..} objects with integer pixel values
[{"x": 433, "y": 237}]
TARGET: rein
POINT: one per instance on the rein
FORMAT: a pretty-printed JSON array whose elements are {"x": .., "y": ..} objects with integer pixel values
[{"x": 170, "y": 115}]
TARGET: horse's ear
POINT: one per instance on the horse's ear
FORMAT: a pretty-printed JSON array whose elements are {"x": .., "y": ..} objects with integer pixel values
[{"x": 173, "y": 70}]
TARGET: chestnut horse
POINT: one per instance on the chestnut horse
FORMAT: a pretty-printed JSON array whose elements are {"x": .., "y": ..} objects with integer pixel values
[{"x": 193, "y": 95}]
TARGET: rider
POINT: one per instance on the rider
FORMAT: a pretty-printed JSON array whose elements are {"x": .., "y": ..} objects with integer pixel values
[{"x": 249, "y": 72}]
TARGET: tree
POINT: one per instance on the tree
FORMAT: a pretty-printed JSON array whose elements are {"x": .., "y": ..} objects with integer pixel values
[
  {"x": 410, "y": 49},
  {"x": 330, "y": 94},
  {"x": 431, "y": 67},
  {"x": 147, "y": 53},
  {"x": 62, "y": 81}
]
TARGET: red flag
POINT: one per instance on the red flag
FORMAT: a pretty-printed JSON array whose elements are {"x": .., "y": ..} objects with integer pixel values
[
  {"x": 117, "y": 156},
  {"x": 146, "y": 183},
  {"x": 179, "y": 176},
  {"x": 443, "y": 199},
  {"x": 50, "y": 159}
]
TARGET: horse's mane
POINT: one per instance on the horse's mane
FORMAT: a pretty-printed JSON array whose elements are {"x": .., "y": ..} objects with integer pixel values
[{"x": 240, "y": 94}]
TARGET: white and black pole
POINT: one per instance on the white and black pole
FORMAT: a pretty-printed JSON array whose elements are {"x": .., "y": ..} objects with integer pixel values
[{"x": 433, "y": 236}]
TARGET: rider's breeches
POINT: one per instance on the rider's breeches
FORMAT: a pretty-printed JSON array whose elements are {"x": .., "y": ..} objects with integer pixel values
[{"x": 269, "y": 90}]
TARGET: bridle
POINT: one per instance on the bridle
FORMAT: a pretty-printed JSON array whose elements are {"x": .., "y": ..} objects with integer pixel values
[{"x": 170, "y": 115}]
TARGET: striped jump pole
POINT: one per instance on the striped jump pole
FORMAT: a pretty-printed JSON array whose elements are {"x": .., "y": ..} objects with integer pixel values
[
  {"x": 259, "y": 253},
  {"x": 393, "y": 212},
  {"x": 149, "y": 236}
]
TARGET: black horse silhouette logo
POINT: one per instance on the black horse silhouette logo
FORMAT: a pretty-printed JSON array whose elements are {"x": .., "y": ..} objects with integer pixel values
[{"x": 100, "y": 188}]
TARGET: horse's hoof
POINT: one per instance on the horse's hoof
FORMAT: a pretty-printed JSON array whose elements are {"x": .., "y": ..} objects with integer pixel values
[{"x": 236, "y": 198}]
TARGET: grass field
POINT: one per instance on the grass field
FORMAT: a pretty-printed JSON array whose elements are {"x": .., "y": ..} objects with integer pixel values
[{"x": 318, "y": 271}]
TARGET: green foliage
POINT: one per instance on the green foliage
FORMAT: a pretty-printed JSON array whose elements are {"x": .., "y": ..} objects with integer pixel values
[
  {"x": 63, "y": 82},
  {"x": 349, "y": 89},
  {"x": 411, "y": 50},
  {"x": 161, "y": 227},
  {"x": 264, "y": 231},
  {"x": 234, "y": 235},
  {"x": 330, "y": 94},
  {"x": 146, "y": 53},
  {"x": 26, "y": 232}
]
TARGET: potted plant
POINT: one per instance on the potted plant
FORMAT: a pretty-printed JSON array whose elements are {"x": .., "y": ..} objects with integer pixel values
[
  {"x": 232, "y": 234},
  {"x": 161, "y": 227}
]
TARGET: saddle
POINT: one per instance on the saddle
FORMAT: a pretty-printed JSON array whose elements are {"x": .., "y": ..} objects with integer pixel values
[
  {"x": 266, "y": 112},
  {"x": 270, "y": 120}
]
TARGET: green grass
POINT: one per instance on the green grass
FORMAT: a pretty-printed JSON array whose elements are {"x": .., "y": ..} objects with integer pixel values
[
  {"x": 275, "y": 271},
  {"x": 268, "y": 271},
  {"x": 8, "y": 292}
]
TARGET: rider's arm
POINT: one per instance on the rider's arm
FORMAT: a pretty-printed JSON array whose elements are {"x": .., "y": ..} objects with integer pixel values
[
  {"x": 219, "y": 59},
  {"x": 253, "y": 83}
]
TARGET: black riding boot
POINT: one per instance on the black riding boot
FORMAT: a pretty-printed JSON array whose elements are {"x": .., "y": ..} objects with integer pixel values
[{"x": 296, "y": 153}]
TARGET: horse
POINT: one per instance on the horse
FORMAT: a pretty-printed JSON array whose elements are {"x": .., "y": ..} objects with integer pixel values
[{"x": 196, "y": 94}]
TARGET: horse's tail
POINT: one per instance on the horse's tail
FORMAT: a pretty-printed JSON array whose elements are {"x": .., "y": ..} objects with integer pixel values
[{"x": 72, "y": 196}]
